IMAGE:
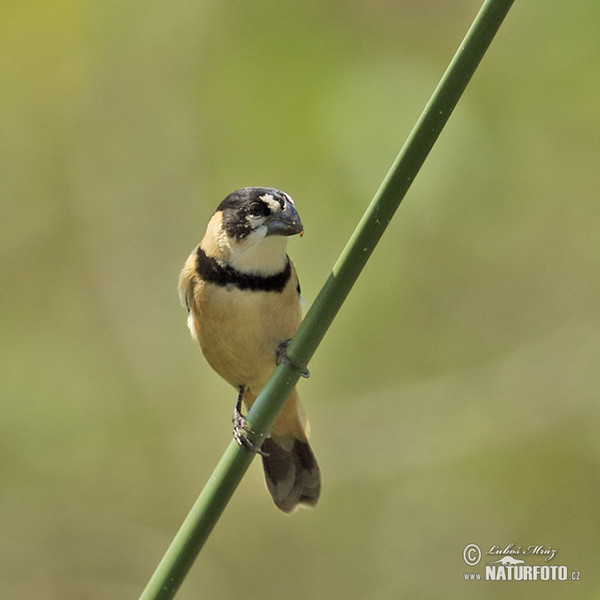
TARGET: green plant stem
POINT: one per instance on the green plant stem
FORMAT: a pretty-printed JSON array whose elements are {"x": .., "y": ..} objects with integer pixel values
[{"x": 212, "y": 501}]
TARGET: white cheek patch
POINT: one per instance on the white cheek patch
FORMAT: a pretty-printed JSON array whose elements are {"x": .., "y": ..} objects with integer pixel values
[
  {"x": 255, "y": 224},
  {"x": 271, "y": 202}
]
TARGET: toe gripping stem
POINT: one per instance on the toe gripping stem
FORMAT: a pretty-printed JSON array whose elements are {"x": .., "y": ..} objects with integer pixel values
[
  {"x": 282, "y": 358},
  {"x": 241, "y": 428}
]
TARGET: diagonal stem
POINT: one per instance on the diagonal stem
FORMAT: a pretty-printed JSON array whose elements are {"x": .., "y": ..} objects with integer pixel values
[{"x": 203, "y": 516}]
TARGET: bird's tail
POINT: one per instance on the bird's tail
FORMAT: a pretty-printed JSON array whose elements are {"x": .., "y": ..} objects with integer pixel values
[{"x": 291, "y": 472}]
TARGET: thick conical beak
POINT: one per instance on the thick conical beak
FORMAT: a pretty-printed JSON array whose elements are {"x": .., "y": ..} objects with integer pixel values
[{"x": 285, "y": 222}]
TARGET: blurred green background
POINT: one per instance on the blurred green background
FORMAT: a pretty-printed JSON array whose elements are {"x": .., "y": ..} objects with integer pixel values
[{"x": 455, "y": 399}]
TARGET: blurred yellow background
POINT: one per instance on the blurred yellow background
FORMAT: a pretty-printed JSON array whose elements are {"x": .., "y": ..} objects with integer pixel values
[{"x": 454, "y": 400}]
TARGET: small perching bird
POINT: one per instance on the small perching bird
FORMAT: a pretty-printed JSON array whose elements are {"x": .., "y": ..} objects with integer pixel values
[{"x": 243, "y": 299}]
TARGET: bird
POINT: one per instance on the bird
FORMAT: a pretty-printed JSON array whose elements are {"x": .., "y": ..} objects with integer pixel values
[{"x": 242, "y": 295}]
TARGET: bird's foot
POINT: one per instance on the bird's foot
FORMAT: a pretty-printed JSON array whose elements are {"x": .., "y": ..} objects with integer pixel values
[
  {"x": 281, "y": 357},
  {"x": 241, "y": 428}
]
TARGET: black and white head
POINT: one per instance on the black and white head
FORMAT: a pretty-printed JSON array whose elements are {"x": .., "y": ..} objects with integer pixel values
[{"x": 254, "y": 224}]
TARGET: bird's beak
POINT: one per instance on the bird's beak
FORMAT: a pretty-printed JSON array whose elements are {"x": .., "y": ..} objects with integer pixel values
[{"x": 285, "y": 222}]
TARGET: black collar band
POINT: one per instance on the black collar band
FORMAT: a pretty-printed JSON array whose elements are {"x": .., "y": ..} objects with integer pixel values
[{"x": 211, "y": 270}]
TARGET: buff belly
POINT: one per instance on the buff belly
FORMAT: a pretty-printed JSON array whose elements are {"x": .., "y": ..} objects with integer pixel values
[{"x": 240, "y": 331}]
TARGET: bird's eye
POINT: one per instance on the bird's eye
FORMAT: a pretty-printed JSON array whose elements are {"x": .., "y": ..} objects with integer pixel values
[{"x": 258, "y": 209}]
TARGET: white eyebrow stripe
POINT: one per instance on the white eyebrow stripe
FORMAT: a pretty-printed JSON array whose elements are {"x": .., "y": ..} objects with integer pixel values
[{"x": 271, "y": 202}]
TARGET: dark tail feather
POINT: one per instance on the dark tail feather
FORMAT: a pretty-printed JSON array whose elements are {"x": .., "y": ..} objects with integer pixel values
[{"x": 293, "y": 475}]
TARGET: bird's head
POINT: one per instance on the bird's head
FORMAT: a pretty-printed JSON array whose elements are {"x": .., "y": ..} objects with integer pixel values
[
  {"x": 250, "y": 229},
  {"x": 258, "y": 212}
]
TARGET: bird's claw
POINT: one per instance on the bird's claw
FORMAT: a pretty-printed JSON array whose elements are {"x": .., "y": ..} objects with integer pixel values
[
  {"x": 282, "y": 358},
  {"x": 241, "y": 428}
]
